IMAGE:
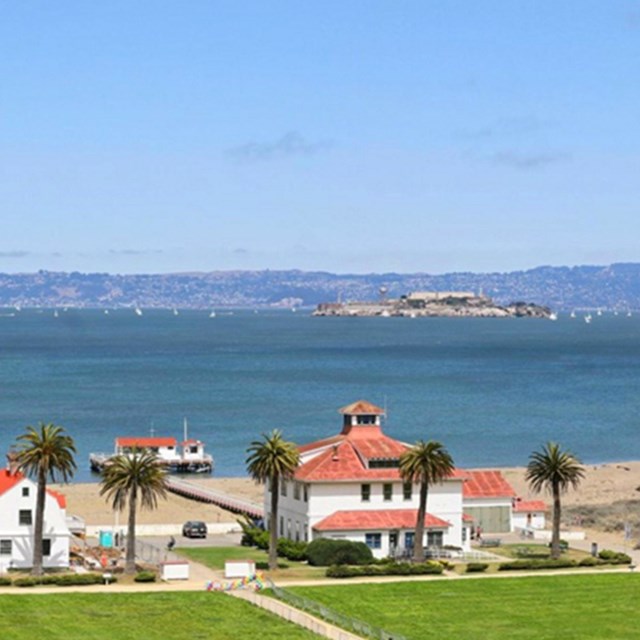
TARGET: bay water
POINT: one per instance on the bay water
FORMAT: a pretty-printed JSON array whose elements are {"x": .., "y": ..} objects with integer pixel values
[{"x": 492, "y": 390}]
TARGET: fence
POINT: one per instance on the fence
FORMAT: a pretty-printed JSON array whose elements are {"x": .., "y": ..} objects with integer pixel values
[{"x": 338, "y": 619}]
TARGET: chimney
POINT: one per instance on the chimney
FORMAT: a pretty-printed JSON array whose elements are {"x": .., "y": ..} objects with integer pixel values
[
  {"x": 335, "y": 457},
  {"x": 12, "y": 462}
]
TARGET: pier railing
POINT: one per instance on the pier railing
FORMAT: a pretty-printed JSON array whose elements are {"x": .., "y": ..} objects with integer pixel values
[
  {"x": 326, "y": 613},
  {"x": 211, "y": 496}
]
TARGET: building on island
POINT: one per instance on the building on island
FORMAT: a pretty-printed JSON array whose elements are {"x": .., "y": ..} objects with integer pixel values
[
  {"x": 17, "y": 519},
  {"x": 348, "y": 486}
]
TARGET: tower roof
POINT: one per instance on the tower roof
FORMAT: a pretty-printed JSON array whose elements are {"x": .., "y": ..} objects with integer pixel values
[{"x": 361, "y": 407}]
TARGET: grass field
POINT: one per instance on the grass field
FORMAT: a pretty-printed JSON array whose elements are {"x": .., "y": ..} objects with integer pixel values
[
  {"x": 543, "y": 608},
  {"x": 157, "y": 616},
  {"x": 215, "y": 557}
]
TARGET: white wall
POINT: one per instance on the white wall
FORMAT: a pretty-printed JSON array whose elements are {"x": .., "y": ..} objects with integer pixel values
[
  {"x": 444, "y": 501},
  {"x": 55, "y": 528},
  {"x": 519, "y": 520}
]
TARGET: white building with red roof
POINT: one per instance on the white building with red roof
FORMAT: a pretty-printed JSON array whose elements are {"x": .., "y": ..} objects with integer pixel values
[
  {"x": 17, "y": 518},
  {"x": 529, "y": 514},
  {"x": 348, "y": 486}
]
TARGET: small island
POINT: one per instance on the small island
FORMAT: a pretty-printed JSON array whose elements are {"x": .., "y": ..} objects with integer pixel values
[{"x": 432, "y": 304}]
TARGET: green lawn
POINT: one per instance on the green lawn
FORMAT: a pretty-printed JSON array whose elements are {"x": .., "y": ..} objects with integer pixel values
[
  {"x": 145, "y": 616},
  {"x": 215, "y": 557},
  {"x": 555, "y": 607}
]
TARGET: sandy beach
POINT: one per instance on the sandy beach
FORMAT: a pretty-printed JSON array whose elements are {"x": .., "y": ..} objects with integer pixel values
[{"x": 604, "y": 484}]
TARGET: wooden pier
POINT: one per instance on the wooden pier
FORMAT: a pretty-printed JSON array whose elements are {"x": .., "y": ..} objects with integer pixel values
[{"x": 211, "y": 496}]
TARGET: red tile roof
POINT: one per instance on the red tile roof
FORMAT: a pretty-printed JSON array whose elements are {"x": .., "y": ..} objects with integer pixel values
[
  {"x": 527, "y": 506},
  {"x": 319, "y": 444},
  {"x": 145, "y": 442},
  {"x": 384, "y": 519},
  {"x": 361, "y": 407},
  {"x": 486, "y": 484},
  {"x": 10, "y": 480},
  {"x": 467, "y": 518}
]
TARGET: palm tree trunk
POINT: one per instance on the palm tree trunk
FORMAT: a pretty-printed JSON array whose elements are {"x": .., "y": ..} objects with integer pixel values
[
  {"x": 39, "y": 523},
  {"x": 555, "y": 535},
  {"x": 273, "y": 523},
  {"x": 130, "y": 565},
  {"x": 418, "y": 541}
]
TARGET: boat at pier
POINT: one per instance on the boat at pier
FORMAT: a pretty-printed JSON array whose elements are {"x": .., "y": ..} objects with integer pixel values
[{"x": 187, "y": 456}]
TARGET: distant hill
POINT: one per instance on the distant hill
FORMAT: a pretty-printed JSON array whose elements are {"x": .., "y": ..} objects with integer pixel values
[{"x": 616, "y": 286}]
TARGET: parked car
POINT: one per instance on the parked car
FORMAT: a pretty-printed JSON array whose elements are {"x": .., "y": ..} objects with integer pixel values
[{"x": 194, "y": 529}]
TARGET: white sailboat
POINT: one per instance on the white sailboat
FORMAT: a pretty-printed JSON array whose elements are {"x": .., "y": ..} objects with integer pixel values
[
  {"x": 138, "y": 311},
  {"x": 587, "y": 318},
  {"x": 212, "y": 314},
  {"x": 175, "y": 312},
  {"x": 553, "y": 316},
  {"x": 572, "y": 314}
]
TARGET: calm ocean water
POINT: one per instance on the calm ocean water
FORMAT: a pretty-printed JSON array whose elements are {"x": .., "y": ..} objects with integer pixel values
[{"x": 492, "y": 390}]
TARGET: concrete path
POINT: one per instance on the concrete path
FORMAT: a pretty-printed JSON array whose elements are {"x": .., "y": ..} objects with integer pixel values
[{"x": 301, "y": 618}]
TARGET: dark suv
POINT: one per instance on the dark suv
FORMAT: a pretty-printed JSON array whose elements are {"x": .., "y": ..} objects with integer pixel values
[{"x": 194, "y": 529}]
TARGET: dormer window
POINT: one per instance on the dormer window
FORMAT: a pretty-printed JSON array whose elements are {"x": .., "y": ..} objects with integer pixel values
[{"x": 389, "y": 463}]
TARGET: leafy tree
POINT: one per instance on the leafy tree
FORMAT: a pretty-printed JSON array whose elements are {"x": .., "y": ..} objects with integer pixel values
[
  {"x": 134, "y": 478},
  {"x": 44, "y": 453},
  {"x": 554, "y": 470},
  {"x": 272, "y": 460},
  {"x": 427, "y": 463}
]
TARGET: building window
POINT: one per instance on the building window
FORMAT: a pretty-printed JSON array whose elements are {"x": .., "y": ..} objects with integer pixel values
[
  {"x": 296, "y": 491},
  {"x": 24, "y": 517},
  {"x": 297, "y": 531},
  {"x": 408, "y": 539},
  {"x": 281, "y": 526},
  {"x": 365, "y": 419},
  {"x": 386, "y": 463},
  {"x": 46, "y": 547},
  {"x": 407, "y": 491},
  {"x": 283, "y": 488},
  {"x": 25, "y": 492},
  {"x": 305, "y": 492},
  {"x": 365, "y": 492},
  {"x": 387, "y": 492},
  {"x": 5, "y": 547},
  {"x": 434, "y": 538},
  {"x": 288, "y": 529},
  {"x": 373, "y": 540}
]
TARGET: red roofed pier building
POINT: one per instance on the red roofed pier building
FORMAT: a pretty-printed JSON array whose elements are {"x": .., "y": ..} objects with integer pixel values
[
  {"x": 17, "y": 519},
  {"x": 348, "y": 486}
]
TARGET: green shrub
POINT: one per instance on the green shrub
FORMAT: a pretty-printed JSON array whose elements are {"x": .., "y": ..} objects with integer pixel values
[
  {"x": 296, "y": 551},
  {"x": 589, "y": 561},
  {"x": 477, "y": 567},
  {"x": 4, "y": 582},
  {"x": 79, "y": 579},
  {"x": 325, "y": 552},
  {"x": 388, "y": 569},
  {"x": 145, "y": 576},
  {"x": 533, "y": 565},
  {"x": 25, "y": 582},
  {"x": 614, "y": 557}
]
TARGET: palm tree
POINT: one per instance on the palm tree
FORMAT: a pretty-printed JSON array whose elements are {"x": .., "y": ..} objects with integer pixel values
[
  {"x": 554, "y": 470},
  {"x": 427, "y": 463},
  {"x": 272, "y": 460},
  {"x": 44, "y": 453},
  {"x": 133, "y": 478}
]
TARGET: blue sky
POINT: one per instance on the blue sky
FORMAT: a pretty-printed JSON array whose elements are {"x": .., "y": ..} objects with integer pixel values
[{"x": 344, "y": 136}]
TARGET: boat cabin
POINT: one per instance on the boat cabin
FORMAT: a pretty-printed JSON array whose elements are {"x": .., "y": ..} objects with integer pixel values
[{"x": 165, "y": 448}]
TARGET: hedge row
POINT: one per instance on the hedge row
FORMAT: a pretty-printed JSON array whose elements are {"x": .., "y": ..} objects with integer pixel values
[
  {"x": 61, "y": 580},
  {"x": 386, "y": 569},
  {"x": 145, "y": 576},
  {"x": 477, "y": 567}
]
